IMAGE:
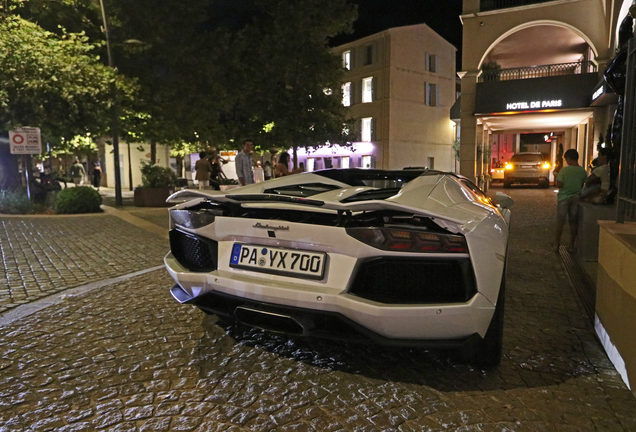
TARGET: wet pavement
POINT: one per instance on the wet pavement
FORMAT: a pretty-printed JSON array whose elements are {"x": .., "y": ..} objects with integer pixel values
[
  {"x": 44, "y": 255},
  {"x": 126, "y": 357}
]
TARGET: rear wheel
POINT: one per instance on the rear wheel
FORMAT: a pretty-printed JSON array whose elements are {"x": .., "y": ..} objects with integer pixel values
[
  {"x": 507, "y": 184},
  {"x": 489, "y": 351},
  {"x": 544, "y": 184}
]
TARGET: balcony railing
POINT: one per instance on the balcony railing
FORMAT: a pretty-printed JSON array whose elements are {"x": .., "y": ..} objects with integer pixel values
[
  {"x": 538, "y": 71},
  {"x": 488, "y": 5}
]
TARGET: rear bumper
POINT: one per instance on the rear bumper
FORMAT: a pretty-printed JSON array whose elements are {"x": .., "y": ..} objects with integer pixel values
[
  {"x": 306, "y": 322},
  {"x": 379, "y": 321},
  {"x": 527, "y": 177}
]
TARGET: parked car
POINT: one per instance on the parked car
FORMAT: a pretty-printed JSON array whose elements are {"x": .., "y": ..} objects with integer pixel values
[
  {"x": 409, "y": 257},
  {"x": 527, "y": 167},
  {"x": 497, "y": 173}
]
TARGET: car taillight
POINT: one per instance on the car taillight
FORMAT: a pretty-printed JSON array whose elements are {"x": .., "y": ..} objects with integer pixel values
[
  {"x": 391, "y": 239},
  {"x": 546, "y": 165},
  {"x": 193, "y": 218},
  {"x": 509, "y": 166}
]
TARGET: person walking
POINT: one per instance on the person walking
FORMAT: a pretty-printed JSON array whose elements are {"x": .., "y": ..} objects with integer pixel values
[
  {"x": 97, "y": 176},
  {"x": 77, "y": 172},
  {"x": 243, "y": 163},
  {"x": 203, "y": 169},
  {"x": 570, "y": 181}
]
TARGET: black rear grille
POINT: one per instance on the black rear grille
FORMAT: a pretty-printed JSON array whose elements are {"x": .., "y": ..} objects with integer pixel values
[
  {"x": 415, "y": 281},
  {"x": 193, "y": 252}
]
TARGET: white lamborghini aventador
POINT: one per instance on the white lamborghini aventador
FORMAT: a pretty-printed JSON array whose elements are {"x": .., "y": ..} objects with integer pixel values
[{"x": 411, "y": 257}]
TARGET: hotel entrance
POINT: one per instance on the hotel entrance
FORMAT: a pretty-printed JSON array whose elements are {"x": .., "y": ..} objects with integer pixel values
[{"x": 506, "y": 135}]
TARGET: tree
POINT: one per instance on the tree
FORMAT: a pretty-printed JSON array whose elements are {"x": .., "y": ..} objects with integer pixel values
[
  {"x": 212, "y": 72},
  {"x": 165, "y": 47},
  {"x": 53, "y": 82},
  {"x": 289, "y": 80}
]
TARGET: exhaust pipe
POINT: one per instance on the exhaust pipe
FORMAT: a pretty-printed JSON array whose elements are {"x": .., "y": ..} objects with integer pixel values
[{"x": 268, "y": 321}]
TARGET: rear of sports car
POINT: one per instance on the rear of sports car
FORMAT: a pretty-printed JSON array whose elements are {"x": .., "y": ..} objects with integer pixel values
[{"x": 390, "y": 265}]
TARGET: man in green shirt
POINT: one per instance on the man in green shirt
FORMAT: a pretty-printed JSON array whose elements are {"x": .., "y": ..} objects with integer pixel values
[{"x": 570, "y": 180}]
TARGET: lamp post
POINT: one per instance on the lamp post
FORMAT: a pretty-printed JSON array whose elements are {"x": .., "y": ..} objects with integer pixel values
[{"x": 114, "y": 112}]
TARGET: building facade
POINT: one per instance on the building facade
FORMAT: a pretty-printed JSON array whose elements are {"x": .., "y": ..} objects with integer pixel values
[
  {"x": 131, "y": 156},
  {"x": 399, "y": 86},
  {"x": 532, "y": 78}
]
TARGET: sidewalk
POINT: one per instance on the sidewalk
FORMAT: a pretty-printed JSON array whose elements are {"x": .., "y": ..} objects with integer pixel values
[
  {"x": 157, "y": 216},
  {"x": 46, "y": 254}
]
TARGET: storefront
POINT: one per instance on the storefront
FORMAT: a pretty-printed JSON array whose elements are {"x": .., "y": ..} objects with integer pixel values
[{"x": 360, "y": 155}]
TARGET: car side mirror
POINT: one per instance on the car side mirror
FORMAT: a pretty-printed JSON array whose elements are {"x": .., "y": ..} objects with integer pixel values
[{"x": 504, "y": 201}]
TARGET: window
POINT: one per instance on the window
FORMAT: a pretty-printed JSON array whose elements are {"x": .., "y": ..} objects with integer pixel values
[
  {"x": 432, "y": 94},
  {"x": 328, "y": 162},
  {"x": 346, "y": 94},
  {"x": 430, "y": 163},
  {"x": 311, "y": 164},
  {"x": 346, "y": 60},
  {"x": 344, "y": 163},
  {"x": 368, "y": 55},
  {"x": 367, "y": 90},
  {"x": 431, "y": 62},
  {"x": 366, "y": 162},
  {"x": 366, "y": 129}
]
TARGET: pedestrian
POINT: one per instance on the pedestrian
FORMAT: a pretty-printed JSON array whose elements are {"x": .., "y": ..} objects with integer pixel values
[
  {"x": 97, "y": 176},
  {"x": 77, "y": 172},
  {"x": 301, "y": 167},
  {"x": 203, "y": 170},
  {"x": 570, "y": 180},
  {"x": 282, "y": 167},
  {"x": 259, "y": 173},
  {"x": 215, "y": 175},
  {"x": 598, "y": 183},
  {"x": 267, "y": 170},
  {"x": 243, "y": 163}
]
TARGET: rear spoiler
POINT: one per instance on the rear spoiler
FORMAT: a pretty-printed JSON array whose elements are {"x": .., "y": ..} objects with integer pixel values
[{"x": 268, "y": 200}]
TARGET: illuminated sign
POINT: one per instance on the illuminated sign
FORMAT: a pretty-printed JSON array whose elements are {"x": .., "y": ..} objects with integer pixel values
[
  {"x": 598, "y": 93},
  {"x": 534, "y": 105}
]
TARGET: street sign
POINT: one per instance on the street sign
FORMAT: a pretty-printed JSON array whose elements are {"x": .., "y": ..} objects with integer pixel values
[{"x": 25, "y": 140}]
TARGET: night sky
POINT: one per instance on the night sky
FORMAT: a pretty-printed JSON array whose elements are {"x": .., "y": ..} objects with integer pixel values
[{"x": 377, "y": 15}]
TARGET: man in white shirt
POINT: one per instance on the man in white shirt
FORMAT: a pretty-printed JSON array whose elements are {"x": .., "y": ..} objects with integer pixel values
[{"x": 243, "y": 162}]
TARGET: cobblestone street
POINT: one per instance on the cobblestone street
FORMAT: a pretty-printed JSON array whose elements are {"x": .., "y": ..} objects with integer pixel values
[
  {"x": 127, "y": 357},
  {"x": 43, "y": 255}
]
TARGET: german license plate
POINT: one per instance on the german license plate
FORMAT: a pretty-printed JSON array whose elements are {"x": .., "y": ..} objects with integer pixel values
[
  {"x": 279, "y": 261},
  {"x": 526, "y": 166}
]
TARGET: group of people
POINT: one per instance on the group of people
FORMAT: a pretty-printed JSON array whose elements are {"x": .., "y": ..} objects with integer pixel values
[
  {"x": 246, "y": 172},
  {"x": 208, "y": 170},
  {"x": 575, "y": 186},
  {"x": 78, "y": 172}
]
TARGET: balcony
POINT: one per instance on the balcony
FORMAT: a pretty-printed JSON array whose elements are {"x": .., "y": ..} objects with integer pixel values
[
  {"x": 542, "y": 71},
  {"x": 489, "y": 5}
]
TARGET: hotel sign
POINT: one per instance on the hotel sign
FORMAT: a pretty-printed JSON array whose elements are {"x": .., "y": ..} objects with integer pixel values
[
  {"x": 515, "y": 106},
  {"x": 546, "y": 94}
]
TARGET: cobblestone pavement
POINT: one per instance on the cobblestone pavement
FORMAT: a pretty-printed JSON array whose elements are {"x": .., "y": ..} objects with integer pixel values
[
  {"x": 129, "y": 358},
  {"x": 43, "y": 255}
]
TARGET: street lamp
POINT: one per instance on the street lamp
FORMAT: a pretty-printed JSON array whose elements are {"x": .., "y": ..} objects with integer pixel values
[{"x": 114, "y": 112}]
